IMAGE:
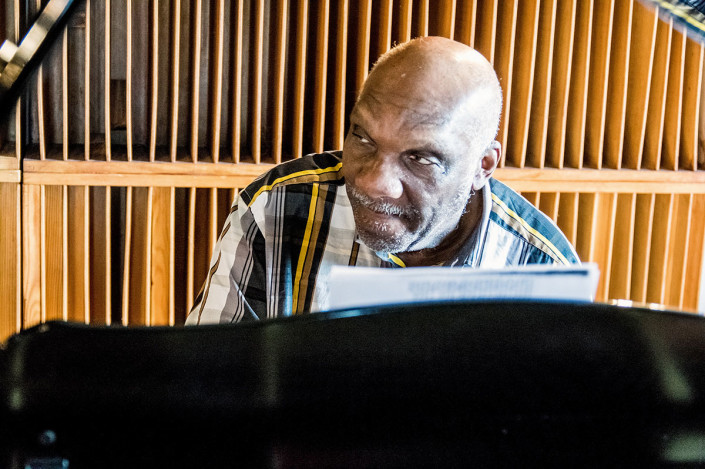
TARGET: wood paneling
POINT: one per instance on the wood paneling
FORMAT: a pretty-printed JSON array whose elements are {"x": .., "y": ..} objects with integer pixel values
[{"x": 146, "y": 117}]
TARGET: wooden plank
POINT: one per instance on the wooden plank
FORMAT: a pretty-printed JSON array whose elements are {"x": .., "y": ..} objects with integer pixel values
[
  {"x": 41, "y": 114},
  {"x": 363, "y": 43},
  {"x": 53, "y": 260},
  {"x": 154, "y": 83},
  {"x": 236, "y": 129},
  {"x": 486, "y": 31},
  {"x": 538, "y": 120},
  {"x": 549, "y": 203},
  {"x": 447, "y": 18},
  {"x": 577, "y": 100},
  {"x": 674, "y": 279},
  {"x": 256, "y": 101},
  {"x": 671, "y": 131},
  {"x": 660, "y": 244},
  {"x": 587, "y": 226},
  {"x": 405, "y": 10},
  {"x": 190, "y": 250},
  {"x": 603, "y": 236},
  {"x": 300, "y": 78},
  {"x": 568, "y": 216},
  {"x": 216, "y": 107},
  {"x": 87, "y": 84},
  {"x": 65, "y": 94},
  {"x": 196, "y": 29},
  {"x": 78, "y": 298},
  {"x": 655, "y": 116},
  {"x": 467, "y": 15},
  {"x": 597, "y": 84},
  {"x": 506, "y": 27},
  {"x": 175, "y": 80},
  {"x": 127, "y": 315},
  {"x": 321, "y": 77},
  {"x": 692, "y": 93},
  {"x": 694, "y": 256},
  {"x": 100, "y": 253},
  {"x": 128, "y": 80},
  {"x": 341, "y": 58},
  {"x": 532, "y": 197},
  {"x": 107, "y": 129},
  {"x": 623, "y": 248},
  {"x": 638, "y": 84},
  {"x": 642, "y": 246},
  {"x": 422, "y": 18},
  {"x": 138, "y": 260},
  {"x": 280, "y": 75},
  {"x": 522, "y": 82},
  {"x": 384, "y": 25},
  {"x": 560, "y": 80},
  {"x": 10, "y": 260},
  {"x": 31, "y": 256}
]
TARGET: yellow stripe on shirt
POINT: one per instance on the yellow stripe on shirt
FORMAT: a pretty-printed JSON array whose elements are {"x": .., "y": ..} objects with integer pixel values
[
  {"x": 308, "y": 172},
  {"x": 304, "y": 247},
  {"x": 529, "y": 228}
]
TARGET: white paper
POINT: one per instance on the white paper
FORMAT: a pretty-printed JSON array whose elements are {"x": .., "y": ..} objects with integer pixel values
[{"x": 368, "y": 286}]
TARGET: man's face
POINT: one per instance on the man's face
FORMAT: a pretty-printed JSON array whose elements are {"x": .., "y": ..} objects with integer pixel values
[{"x": 407, "y": 168}]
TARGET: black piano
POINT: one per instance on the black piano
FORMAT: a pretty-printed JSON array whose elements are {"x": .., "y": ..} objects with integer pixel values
[{"x": 442, "y": 384}]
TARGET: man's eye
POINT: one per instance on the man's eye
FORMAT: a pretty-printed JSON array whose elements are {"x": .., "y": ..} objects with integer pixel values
[
  {"x": 423, "y": 160},
  {"x": 361, "y": 138}
]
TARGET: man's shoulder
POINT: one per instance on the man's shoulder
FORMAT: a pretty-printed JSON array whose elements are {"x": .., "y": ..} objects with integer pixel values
[
  {"x": 514, "y": 213},
  {"x": 314, "y": 168}
]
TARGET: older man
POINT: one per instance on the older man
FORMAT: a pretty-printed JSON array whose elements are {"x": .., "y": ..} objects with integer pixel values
[{"x": 412, "y": 187}]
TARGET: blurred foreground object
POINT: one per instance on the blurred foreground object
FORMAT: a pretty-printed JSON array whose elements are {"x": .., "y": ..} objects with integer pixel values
[
  {"x": 457, "y": 384},
  {"x": 690, "y": 13}
]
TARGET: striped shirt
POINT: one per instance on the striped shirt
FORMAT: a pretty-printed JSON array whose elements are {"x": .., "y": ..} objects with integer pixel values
[{"x": 292, "y": 224}]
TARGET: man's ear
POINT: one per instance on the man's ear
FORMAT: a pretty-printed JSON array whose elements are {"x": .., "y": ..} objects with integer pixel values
[{"x": 488, "y": 163}]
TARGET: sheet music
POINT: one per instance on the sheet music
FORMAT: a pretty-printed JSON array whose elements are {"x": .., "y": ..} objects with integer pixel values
[{"x": 368, "y": 286}]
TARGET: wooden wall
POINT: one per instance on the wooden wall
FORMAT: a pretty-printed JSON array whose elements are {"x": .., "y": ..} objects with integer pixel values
[{"x": 121, "y": 160}]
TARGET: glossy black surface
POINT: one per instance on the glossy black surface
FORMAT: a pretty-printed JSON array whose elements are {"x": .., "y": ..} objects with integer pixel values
[{"x": 445, "y": 384}]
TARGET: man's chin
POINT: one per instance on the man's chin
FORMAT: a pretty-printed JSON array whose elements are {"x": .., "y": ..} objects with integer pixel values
[{"x": 382, "y": 242}]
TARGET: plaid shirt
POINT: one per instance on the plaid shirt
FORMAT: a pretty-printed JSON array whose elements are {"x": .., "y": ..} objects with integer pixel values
[{"x": 293, "y": 223}]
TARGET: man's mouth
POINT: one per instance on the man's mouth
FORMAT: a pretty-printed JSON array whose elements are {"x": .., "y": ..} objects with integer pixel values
[{"x": 378, "y": 207}]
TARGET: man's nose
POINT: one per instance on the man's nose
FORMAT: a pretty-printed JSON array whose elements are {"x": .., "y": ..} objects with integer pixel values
[{"x": 380, "y": 178}]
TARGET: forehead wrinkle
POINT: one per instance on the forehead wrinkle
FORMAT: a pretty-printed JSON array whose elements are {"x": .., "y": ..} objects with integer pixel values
[{"x": 408, "y": 115}]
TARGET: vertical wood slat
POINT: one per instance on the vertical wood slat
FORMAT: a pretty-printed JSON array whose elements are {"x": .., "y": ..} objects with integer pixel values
[
  {"x": 638, "y": 83},
  {"x": 217, "y": 80},
  {"x": 10, "y": 260},
  {"x": 300, "y": 85},
  {"x": 486, "y": 32},
  {"x": 575, "y": 131},
  {"x": 237, "y": 85},
  {"x": 190, "y": 254},
  {"x": 422, "y": 18},
  {"x": 447, "y": 14},
  {"x": 65, "y": 94},
  {"x": 523, "y": 60},
  {"x": 405, "y": 11},
  {"x": 31, "y": 256},
  {"x": 616, "y": 90},
  {"x": 280, "y": 69},
  {"x": 64, "y": 253},
  {"x": 642, "y": 246},
  {"x": 154, "y": 73},
  {"x": 694, "y": 255},
  {"x": 674, "y": 93},
  {"x": 692, "y": 93},
  {"x": 674, "y": 278},
  {"x": 41, "y": 127},
  {"x": 78, "y": 255},
  {"x": 538, "y": 118},
  {"x": 385, "y": 27},
  {"x": 195, "y": 77},
  {"x": 363, "y": 43},
  {"x": 549, "y": 203},
  {"x": 622, "y": 257},
  {"x": 560, "y": 81},
  {"x": 468, "y": 20},
  {"x": 340, "y": 74},
  {"x": 655, "y": 115},
  {"x": 87, "y": 85},
  {"x": 660, "y": 244},
  {"x": 128, "y": 80},
  {"x": 127, "y": 308},
  {"x": 597, "y": 84},
  {"x": 568, "y": 216},
  {"x": 175, "y": 80},
  {"x": 321, "y": 74},
  {"x": 108, "y": 91},
  {"x": 257, "y": 84},
  {"x": 505, "y": 41}
]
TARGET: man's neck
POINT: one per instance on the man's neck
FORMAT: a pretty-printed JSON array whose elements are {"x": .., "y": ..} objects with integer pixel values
[{"x": 453, "y": 243}]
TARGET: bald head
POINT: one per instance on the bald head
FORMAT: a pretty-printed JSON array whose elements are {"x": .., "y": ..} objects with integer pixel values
[{"x": 446, "y": 79}]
